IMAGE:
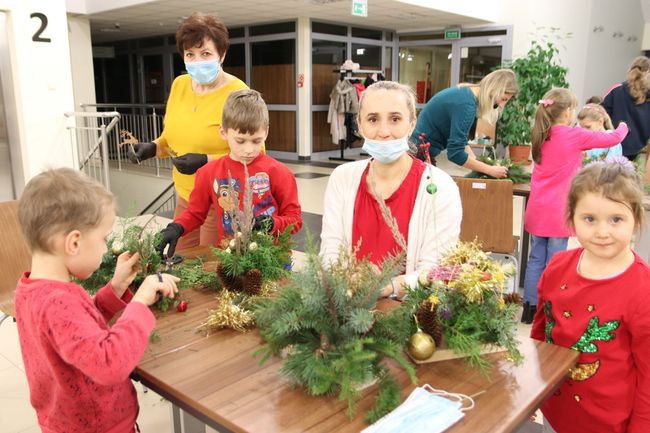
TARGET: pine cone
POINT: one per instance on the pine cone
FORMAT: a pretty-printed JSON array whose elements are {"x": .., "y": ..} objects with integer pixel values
[
  {"x": 513, "y": 298},
  {"x": 429, "y": 322},
  {"x": 253, "y": 282},
  {"x": 234, "y": 284}
]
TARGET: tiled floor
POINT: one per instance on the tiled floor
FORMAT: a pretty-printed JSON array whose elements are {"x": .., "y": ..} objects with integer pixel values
[{"x": 16, "y": 413}]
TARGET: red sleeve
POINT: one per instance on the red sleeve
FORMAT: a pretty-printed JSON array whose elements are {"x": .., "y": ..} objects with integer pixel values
[
  {"x": 640, "y": 344},
  {"x": 538, "y": 330},
  {"x": 200, "y": 200},
  {"x": 108, "y": 303},
  {"x": 107, "y": 355},
  {"x": 592, "y": 140},
  {"x": 285, "y": 192}
]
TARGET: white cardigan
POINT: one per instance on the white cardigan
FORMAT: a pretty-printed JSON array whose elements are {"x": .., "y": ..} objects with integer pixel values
[{"x": 434, "y": 226}]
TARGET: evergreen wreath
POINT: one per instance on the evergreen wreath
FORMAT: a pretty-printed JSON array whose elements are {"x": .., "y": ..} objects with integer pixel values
[
  {"x": 334, "y": 338},
  {"x": 516, "y": 172}
]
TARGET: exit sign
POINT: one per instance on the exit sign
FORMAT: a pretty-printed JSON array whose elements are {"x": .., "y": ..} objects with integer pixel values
[
  {"x": 360, "y": 8},
  {"x": 451, "y": 34}
]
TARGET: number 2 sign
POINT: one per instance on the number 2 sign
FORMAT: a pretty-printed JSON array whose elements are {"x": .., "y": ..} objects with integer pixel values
[{"x": 37, "y": 35}]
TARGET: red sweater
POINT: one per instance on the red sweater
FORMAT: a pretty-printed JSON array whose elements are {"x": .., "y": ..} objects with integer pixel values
[
  {"x": 608, "y": 321},
  {"x": 275, "y": 193},
  {"x": 77, "y": 366}
]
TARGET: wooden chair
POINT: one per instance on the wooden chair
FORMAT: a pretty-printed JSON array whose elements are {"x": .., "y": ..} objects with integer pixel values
[
  {"x": 487, "y": 216},
  {"x": 15, "y": 257}
]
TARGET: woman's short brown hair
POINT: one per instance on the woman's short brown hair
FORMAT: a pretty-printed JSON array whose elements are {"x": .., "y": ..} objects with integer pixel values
[
  {"x": 60, "y": 201},
  {"x": 198, "y": 26}
]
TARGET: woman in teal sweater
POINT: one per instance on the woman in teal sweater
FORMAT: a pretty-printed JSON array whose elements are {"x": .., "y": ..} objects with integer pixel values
[{"x": 446, "y": 120}]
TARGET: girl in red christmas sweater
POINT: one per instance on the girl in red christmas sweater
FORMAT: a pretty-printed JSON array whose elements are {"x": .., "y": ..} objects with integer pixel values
[
  {"x": 77, "y": 365},
  {"x": 596, "y": 299}
]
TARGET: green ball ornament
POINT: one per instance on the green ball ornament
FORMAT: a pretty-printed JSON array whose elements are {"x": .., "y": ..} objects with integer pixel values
[{"x": 432, "y": 188}]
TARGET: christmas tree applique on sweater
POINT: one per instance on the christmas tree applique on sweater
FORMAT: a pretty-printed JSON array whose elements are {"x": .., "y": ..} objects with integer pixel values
[{"x": 585, "y": 344}]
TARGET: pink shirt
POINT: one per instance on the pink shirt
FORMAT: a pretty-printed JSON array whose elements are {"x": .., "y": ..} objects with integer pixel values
[
  {"x": 550, "y": 182},
  {"x": 78, "y": 366}
]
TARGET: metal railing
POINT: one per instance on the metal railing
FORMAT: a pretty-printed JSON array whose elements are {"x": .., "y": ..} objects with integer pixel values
[
  {"x": 164, "y": 204},
  {"x": 90, "y": 137},
  {"x": 144, "y": 122}
]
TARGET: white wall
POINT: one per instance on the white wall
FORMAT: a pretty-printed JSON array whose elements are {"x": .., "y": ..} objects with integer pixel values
[
  {"x": 81, "y": 58},
  {"x": 42, "y": 83},
  {"x": 607, "y": 57},
  {"x": 595, "y": 60},
  {"x": 646, "y": 38}
]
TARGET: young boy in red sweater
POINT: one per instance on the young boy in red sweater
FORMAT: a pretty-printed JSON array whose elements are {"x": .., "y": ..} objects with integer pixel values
[
  {"x": 77, "y": 366},
  {"x": 245, "y": 125}
]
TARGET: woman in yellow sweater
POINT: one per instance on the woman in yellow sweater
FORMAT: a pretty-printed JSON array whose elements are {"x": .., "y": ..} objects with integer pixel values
[{"x": 193, "y": 115}]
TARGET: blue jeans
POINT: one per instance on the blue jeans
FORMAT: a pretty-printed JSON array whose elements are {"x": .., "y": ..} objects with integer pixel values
[{"x": 541, "y": 251}]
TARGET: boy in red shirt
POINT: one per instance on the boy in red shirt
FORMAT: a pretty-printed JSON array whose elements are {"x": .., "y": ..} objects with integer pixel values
[
  {"x": 245, "y": 125},
  {"x": 77, "y": 366}
]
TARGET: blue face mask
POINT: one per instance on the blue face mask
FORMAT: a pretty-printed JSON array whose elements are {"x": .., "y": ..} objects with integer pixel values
[
  {"x": 426, "y": 409},
  {"x": 386, "y": 151},
  {"x": 204, "y": 72}
]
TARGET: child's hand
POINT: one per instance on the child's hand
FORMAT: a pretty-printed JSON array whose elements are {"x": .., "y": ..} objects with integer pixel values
[
  {"x": 163, "y": 283},
  {"x": 125, "y": 271}
]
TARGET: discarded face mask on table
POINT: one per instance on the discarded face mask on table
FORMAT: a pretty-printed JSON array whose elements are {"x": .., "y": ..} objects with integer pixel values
[{"x": 425, "y": 410}]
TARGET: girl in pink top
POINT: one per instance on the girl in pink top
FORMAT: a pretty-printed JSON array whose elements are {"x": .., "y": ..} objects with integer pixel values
[{"x": 557, "y": 152}]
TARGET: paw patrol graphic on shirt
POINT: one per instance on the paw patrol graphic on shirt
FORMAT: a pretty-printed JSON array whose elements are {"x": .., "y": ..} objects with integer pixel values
[
  {"x": 228, "y": 199},
  {"x": 261, "y": 187}
]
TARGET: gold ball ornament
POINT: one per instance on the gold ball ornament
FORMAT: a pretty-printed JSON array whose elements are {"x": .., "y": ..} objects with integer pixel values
[{"x": 421, "y": 345}]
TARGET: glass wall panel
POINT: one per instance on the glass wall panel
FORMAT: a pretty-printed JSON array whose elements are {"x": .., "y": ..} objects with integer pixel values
[
  {"x": 274, "y": 70},
  {"x": 427, "y": 69},
  {"x": 477, "y": 62},
  {"x": 327, "y": 57},
  {"x": 235, "y": 62},
  {"x": 367, "y": 56},
  {"x": 154, "y": 90},
  {"x": 282, "y": 131}
]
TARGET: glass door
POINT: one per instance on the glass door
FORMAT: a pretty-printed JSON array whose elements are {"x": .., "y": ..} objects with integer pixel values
[{"x": 427, "y": 69}]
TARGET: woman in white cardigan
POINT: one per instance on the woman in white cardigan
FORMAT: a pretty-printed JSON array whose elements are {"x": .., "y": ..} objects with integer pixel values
[{"x": 423, "y": 199}]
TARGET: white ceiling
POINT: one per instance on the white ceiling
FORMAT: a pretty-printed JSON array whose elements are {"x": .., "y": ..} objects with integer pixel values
[{"x": 162, "y": 16}]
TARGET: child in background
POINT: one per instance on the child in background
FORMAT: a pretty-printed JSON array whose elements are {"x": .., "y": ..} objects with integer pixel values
[
  {"x": 77, "y": 366},
  {"x": 557, "y": 152},
  {"x": 596, "y": 300},
  {"x": 245, "y": 125},
  {"x": 594, "y": 118}
]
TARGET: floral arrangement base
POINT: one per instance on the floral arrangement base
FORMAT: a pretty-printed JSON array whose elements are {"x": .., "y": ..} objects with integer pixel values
[
  {"x": 249, "y": 283},
  {"x": 444, "y": 353}
]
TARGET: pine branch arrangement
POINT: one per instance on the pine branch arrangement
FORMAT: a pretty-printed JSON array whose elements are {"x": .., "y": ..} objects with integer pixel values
[
  {"x": 252, "y": 258},
  {"x": 325, "y": 319},
  {"x": 516, "y": 172},
  {"x": 464, "y": 297}
]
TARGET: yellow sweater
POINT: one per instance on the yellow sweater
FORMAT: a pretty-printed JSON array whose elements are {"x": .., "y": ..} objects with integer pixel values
[{"x": 192, "y": 126}]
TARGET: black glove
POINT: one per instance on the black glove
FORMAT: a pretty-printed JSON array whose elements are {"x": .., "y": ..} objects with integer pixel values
[
  {"x": 190, "y": 162},
  {"x": 264, "y": 223},
  {"x": 142, "y": 151},
  {"x": 169, "y": 237}
]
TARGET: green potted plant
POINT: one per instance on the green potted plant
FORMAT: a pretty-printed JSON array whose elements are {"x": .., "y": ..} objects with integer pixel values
[{"x": 537, "y": 72}]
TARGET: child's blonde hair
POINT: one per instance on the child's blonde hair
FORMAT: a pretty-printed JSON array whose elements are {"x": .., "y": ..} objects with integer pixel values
[
  {"x": 245, "y": 111},
  {"x": 553, "y": 105},
  {"x": 495, "y": 85},
  {"x": 638, "y": 79},
  {"x": 615, "y": 179},
  {"x": 60, "y": 201},
  {"x": 595, "y": 113},
  {"x": 408, "y": 93}
]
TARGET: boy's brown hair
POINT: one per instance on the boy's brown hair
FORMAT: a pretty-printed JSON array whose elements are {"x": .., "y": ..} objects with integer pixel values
[
  {"x": 616, "y": 181},
  {"x": 245, "y": 111},
  {"x": 59, "y": 201}
]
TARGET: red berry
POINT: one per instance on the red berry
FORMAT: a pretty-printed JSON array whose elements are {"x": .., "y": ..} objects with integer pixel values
[
  {"x": 486, "y": 276},
  {"x": 182, "y": 306}
]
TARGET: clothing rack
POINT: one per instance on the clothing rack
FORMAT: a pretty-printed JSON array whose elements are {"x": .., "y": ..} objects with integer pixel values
[{"x": 346, "y": 74}]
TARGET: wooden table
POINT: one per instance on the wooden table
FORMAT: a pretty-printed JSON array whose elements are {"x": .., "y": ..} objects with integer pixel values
[{"x": 216, "y": 379}]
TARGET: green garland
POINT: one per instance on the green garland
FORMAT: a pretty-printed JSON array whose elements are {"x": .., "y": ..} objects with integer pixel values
[
  {"x": 268, "y": 253},
  {"x": 516, "y": 172},
  {"x": 335, "y": 340}
]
